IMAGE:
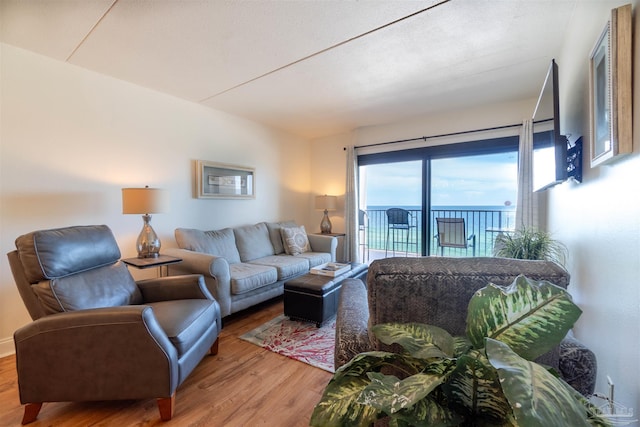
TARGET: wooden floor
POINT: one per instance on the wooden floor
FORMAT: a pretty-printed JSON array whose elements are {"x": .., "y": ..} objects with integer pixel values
[{"x": 243, "y": 385}]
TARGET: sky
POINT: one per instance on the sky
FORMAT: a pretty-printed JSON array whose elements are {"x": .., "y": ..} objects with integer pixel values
[{"x": 487, "y": 180}]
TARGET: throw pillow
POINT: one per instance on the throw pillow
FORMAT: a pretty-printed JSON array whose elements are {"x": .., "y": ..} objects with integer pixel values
[
  {"x": 276, "y": 236},
  {"x": 295, "y": 240}
]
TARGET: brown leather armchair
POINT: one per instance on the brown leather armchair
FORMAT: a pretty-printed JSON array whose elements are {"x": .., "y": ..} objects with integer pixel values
[{"x": 99, "y": 335}]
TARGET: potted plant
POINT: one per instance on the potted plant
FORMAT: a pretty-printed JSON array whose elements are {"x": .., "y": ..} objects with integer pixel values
[
  {"x": 530, "y": 243},
  {"x": 486, "y": 378}
]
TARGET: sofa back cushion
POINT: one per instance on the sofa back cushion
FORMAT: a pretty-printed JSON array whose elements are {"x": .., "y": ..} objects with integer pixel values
[
  {"x": 275, "y": 235},
  {"x": 220, "y": 243},
  {"x": 253, "y": 241}
]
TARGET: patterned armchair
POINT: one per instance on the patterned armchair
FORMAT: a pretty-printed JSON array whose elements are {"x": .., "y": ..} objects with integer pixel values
[{"x": 436, "y": 291}]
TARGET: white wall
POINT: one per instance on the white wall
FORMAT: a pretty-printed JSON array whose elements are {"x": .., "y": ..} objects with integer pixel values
[
  {"x": 599, "y": 219},
  {"x": 328, "y": 175},
  {"x": 70, "y": 139}
]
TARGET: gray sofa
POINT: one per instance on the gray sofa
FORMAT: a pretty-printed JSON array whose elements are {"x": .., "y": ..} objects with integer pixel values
[
  {"x": 246, "y": 265},
  {"x": 436, "y": 291}
]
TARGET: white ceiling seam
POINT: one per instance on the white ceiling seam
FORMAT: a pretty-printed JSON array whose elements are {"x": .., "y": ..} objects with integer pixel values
[
  {"x": 327, "y": 49},
  {"x": 86, "y": 36}
]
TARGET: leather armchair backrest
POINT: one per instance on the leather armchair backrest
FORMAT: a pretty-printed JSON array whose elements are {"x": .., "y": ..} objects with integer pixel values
[
  {"x": 50, "y": 254},
  {"x": 106, "y": 286},
  {"x": 73, "y": 268}
]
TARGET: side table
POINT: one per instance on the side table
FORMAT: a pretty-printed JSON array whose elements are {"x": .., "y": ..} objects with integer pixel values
[{"x": 159, "y": 262}]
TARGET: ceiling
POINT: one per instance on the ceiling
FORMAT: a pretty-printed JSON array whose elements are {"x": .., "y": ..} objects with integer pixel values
[{"x": 310, "y": 67}]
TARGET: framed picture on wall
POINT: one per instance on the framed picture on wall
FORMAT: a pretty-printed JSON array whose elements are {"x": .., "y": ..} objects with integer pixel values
[
  {"x": 223, "y": 181},
  {"x": 610, "y": 97}
]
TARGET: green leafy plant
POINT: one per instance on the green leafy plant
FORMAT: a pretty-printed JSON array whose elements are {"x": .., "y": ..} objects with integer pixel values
[
  {"x": 486, "y": 378},
  {"x": 530, "y": 243}
]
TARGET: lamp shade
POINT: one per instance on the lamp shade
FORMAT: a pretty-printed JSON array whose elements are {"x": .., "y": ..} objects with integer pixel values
[
  {"x": 144, "y": 200},
  {"x": 326, "y": 203}
]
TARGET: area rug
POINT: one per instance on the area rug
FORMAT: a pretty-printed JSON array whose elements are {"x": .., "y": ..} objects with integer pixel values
[{"x": 298, "y": 340}]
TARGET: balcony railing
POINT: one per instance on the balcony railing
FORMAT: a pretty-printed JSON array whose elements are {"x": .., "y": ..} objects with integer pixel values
[{"x": 485, "y": 224}]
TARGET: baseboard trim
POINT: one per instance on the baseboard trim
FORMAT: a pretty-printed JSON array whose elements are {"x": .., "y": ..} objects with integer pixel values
[{"x": 6, "y": 347}]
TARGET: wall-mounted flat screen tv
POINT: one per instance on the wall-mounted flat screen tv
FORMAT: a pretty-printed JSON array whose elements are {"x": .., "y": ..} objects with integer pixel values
[{"x": 549, "y": 146}]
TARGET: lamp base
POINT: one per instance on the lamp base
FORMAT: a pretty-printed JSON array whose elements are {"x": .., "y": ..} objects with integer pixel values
[
  {"x": 153, "y": 255},
  {"x": 148, "y": 243},
  {"x": 325, "y": 224}
]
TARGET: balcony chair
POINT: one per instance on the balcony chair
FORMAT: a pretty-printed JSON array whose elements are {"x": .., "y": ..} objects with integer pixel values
[
  {"x": 398, "y": 220},
  {"x": 96, "y": 333},
  {"x": 452, "y": 233}
]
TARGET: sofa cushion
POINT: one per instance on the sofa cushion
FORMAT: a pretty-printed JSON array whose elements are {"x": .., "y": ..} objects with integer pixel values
[
  {"x": 185, "y": 321},
  {"x": 315, "y": 258},
  {"x": 107, "y": 286},
  {"x": 286, "y": 265},
  {"x": 276, "y": 236},
  {"x": 220, "y": 243},
  {"x": 253, "y": 241},
  {"x": 295, "y": 240},
  {"x": 247, "y": 277}
]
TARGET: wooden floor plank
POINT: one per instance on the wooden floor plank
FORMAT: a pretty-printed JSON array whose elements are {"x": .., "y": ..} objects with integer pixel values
[{"x": 243, "y": 385}]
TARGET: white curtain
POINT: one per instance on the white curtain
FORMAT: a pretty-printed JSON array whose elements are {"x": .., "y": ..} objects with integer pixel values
[
  {"x": 527, "y": 205},
  {"x": 351, "y": 207}
]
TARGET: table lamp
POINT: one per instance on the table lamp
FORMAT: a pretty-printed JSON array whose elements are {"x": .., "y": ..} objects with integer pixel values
[
  {"x": 145, "y": 201},
  {"x": 328, "y": 203}
]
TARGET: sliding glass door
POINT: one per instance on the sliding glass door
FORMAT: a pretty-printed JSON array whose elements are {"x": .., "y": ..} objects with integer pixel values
[
  {"x": 405, "y": 194},
  {"x": 477, "y": 194},
  {"x": 392, "y": 200}
]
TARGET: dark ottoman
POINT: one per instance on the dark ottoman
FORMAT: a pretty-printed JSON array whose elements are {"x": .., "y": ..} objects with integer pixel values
[{"x": 313, "y": 297}]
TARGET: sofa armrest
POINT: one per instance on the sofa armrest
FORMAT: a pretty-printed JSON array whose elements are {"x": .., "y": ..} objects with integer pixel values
[
  {"x": 578, "y": 365},
  {"x": 321, "y": 243},
  {"x": 215, "y": 270},
  {"x": 351, "y": 322},
  {"x": 90, "y": 354},
  {"x": 187, "y": 286}
]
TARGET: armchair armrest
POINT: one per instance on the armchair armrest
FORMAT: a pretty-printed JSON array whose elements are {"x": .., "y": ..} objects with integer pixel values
[
  {"x": 578, "y": 365},
  {"x": 351, "y": 322},
  {"x": 91, "y": 354},
  {"x": 188, "y": 286},
  {"x": 320, "y": 243}
]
